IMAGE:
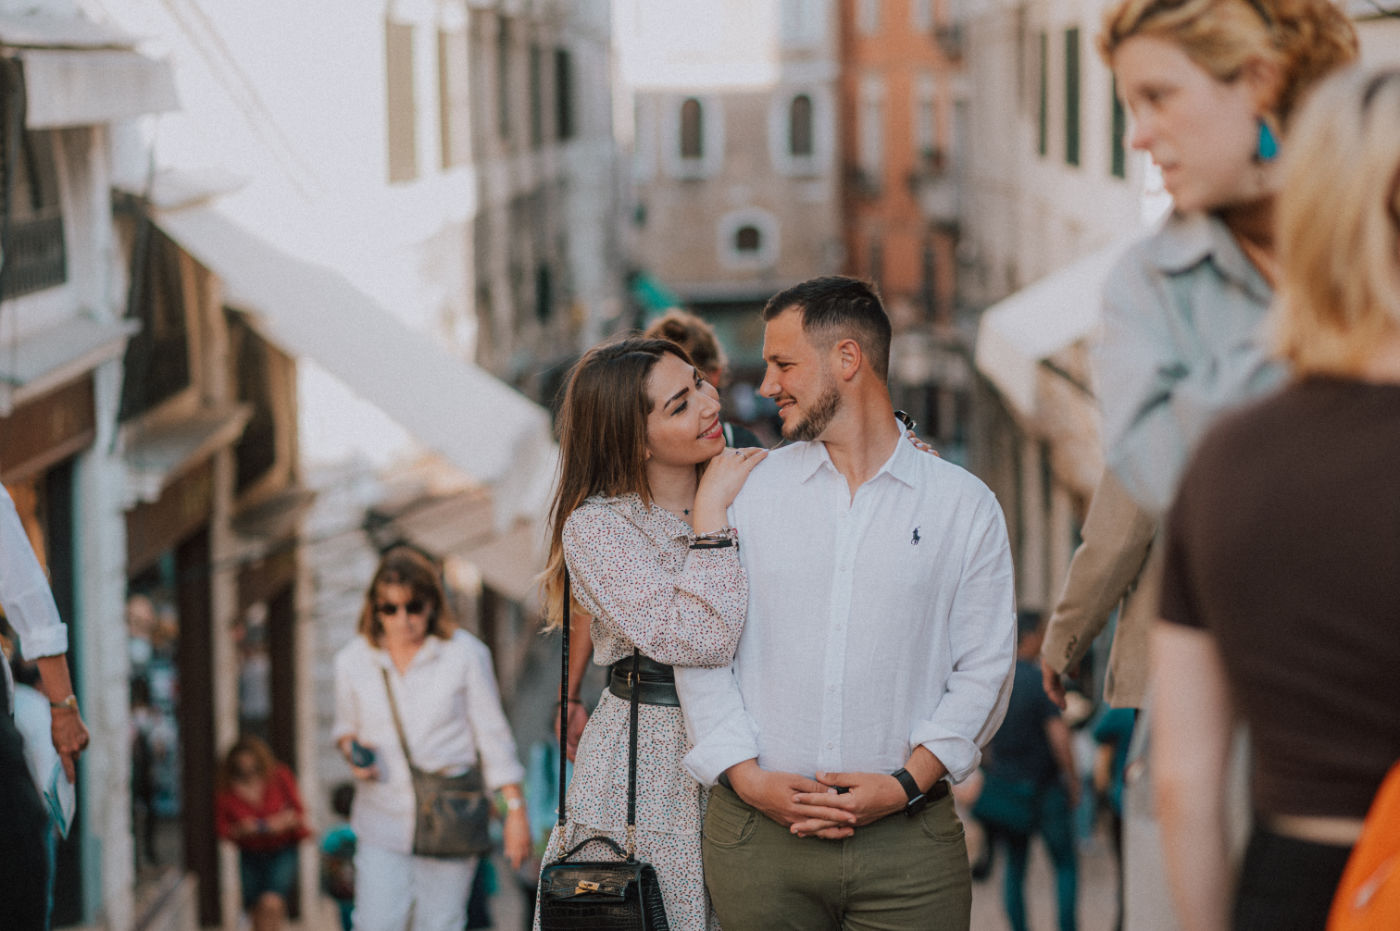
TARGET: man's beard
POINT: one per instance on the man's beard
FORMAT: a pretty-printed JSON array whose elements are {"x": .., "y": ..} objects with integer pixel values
[{"x": 817, "y": 418}]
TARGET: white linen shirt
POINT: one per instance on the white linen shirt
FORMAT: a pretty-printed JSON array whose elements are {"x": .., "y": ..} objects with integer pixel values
[
  {"x": 875, "y": 623},
  {"x": 25, "y": 595},
  {"x": 452, "y": 718}
]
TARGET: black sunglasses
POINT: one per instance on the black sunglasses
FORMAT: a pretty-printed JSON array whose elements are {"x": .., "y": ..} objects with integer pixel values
[{"x": 416, "y": 606}]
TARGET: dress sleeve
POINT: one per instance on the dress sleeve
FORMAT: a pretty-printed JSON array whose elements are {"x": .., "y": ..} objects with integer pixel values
[{"x": 690, "y": 618}]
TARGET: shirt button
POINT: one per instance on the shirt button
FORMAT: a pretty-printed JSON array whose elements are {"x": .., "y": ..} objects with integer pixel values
[{"x": 830, "y": 745}]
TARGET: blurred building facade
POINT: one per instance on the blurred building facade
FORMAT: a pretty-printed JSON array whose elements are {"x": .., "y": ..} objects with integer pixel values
[
  {"x": 731, "y": 115},
  {"x": 903, "y": 110},
  {"x": 253, "y": 330},
  {"x": 1050, "y": 195}
]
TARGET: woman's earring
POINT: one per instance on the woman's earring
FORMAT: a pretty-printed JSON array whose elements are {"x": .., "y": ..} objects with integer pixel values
[{"x": 1266, "y": 149}]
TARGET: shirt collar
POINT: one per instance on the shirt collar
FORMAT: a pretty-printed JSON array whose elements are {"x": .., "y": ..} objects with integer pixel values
[
  {"x": 901, "y": 465},
  {"x": 431, "y": 647},
  {"x": 1187, "y": 239}
]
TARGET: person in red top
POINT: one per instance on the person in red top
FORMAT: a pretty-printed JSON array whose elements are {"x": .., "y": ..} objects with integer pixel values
[{"x": 257, "y": 806}]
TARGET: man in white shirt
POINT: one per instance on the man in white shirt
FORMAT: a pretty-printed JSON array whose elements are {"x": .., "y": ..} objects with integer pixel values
[
  {"x": 878, "y": 654},
  {"x": 30, "y": 610}
]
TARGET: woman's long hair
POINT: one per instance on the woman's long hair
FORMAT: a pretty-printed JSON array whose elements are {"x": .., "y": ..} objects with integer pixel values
[
  {"x": 404, "y": 565},
  {"x": 263, "y": 760},
  {"x": 602, "y": 441}
]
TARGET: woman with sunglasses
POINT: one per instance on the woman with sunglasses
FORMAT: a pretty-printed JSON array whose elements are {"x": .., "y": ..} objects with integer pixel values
[
  {"x": 445, "y": 695},
  {"x": 1280, "y": 602},
  {"x": 639, "y": 527}
]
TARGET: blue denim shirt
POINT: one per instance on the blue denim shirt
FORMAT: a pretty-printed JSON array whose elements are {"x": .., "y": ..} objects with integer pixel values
[{"x": 1183, "y": 339}]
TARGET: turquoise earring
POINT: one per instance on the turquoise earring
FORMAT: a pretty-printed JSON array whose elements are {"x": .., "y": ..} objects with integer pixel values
[{"x": 1266, "y": 149}]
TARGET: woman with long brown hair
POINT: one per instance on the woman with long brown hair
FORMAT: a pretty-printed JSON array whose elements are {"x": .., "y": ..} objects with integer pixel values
[
  {"x": 406, "y": 663},
  {"x": 258, "y": 807},
  {"x": 639, "y": 526}
]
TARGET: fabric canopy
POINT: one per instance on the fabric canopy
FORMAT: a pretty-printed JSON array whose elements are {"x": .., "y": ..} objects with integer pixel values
[{"x": 491, "y": 432}]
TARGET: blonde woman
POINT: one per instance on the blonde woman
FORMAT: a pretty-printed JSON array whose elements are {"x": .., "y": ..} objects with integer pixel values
[
  {"x": 1211, "y": 86},
  {"x": 1280, "y": 600}
]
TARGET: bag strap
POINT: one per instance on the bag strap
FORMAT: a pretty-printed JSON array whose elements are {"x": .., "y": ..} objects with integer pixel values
[
  {"x": 564, "y": 729},
  {"x": 564, "y": 694},
  {"x": 398, "y": 725},
  {"x": 636, "y": 684}
]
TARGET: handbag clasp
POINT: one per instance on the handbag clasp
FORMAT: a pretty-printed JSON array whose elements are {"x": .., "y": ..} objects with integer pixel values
[{"x": 586, "y": 886}]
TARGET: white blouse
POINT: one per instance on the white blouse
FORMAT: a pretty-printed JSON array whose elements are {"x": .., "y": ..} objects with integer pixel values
[{"x": 452, "y": 718}]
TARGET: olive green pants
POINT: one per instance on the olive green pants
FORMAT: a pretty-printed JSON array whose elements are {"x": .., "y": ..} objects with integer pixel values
[{"x": 898, "y": 874}]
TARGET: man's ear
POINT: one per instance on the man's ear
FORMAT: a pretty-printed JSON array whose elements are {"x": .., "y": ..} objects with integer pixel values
[{"x": 849, "y": 358}]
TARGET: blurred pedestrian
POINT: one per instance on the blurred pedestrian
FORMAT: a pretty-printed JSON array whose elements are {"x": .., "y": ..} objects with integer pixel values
[
  {"x": 1280, "y": 600},
  {"x": 25, "y": 880},
  {"x": 1211, "y": 86},
  {"x": 640, "y": 528},
  {"x": 1030, "y": 786},
  {"x": 338, "y": 855},
  {"x": 1113, "y": 734},
  {"x": 695, "y": 335},
  {"x": 258, "y": 808},
  {"x": 404, "y": 657}
]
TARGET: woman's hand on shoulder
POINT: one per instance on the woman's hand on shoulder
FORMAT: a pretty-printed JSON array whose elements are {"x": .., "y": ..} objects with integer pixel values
[{"x": 725, "y": 474}]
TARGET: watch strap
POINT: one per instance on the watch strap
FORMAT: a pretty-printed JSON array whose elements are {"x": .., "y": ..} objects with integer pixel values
[{"x": 917, "y": 798}]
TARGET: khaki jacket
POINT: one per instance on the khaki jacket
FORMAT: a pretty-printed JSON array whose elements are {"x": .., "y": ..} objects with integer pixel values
[{"x": 1117, "y": 562}]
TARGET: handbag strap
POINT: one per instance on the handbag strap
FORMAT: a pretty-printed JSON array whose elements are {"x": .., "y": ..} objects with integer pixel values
[
  {"x": 398, "y": 725},
  {"x": 564, "y": 729}
]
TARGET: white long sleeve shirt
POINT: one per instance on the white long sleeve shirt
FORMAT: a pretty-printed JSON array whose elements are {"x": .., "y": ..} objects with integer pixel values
[
  {"x": 452, "y": 718},
  {"x": 875, "y": 624},
  {"x": 25, "y": 594}
]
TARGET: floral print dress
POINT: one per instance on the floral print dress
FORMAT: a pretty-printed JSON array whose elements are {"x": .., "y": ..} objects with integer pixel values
[{"x": 632, "y": 568}]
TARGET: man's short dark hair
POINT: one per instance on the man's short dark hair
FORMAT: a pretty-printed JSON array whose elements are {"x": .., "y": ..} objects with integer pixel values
[{"x": 835, "y": 307}]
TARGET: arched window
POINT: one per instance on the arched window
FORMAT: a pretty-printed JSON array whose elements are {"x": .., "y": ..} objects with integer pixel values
[
  {"x": 692, "y": 129},
  {"x": 747, "y": 240},
  {"x": 800, "y": 127}
]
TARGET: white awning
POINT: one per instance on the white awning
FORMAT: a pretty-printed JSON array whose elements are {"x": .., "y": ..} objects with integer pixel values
[
  {"x": 81, "y": 73},
  {"x": 92, "y": 87},
  {"x": 1017, "y": 333},
  {"x": 491, "y": 432},
  {"x": 37, "y": 363}
]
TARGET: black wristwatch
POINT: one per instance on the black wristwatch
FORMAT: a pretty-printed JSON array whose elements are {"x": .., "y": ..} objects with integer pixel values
[{"x": 917, "y": 798}]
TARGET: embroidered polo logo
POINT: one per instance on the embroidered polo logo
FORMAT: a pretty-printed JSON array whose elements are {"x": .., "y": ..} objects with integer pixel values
[{"x": 915, "y": 540}]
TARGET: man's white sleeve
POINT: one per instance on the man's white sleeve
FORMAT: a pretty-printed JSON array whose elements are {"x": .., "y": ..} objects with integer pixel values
[
  {"x": 720, "y": 727},
  {"x": 24, "y": 590}
]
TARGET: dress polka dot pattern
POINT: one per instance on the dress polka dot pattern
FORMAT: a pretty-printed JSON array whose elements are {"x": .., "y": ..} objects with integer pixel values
[{"x": 631, "y": 566}]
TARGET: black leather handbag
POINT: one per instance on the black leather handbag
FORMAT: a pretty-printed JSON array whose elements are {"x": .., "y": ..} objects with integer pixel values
[
  {"x": 452, "y": 814},
  {"x": 600, "y": 895}
]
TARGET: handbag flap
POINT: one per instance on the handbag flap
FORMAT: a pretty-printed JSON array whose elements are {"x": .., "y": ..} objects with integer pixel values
[{"x": 597, "y": 882}]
